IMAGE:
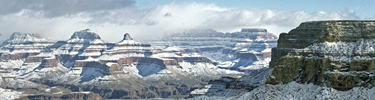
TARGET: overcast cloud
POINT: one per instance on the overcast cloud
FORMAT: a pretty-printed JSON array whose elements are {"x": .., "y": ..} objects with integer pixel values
[
  {"x": 54, "y": 8},
  {"x": 112, "y": 18}
]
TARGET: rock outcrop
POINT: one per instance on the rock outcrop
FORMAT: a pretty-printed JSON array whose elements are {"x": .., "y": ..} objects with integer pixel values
[
  {"x": 126, "y": 69},
  {"x": 337, "y": 54},
  {"x": 62, "y": 96},
  {"x": 23, "y": 45},
  {"x": 127, "y": 37},
  {"x": 19, "y": 38},
  {"x": 49, "y": 63},
  {"x": 249, "y": 45},
  {"x": 129, "y": 47},
  {"x": 81, "y": 45},
  {"x": 84, "y": 36}
]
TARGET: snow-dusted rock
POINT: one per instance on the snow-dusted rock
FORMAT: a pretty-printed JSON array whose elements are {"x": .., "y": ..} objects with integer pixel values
[
  {"x": 7, "y": 94},
  {"x": 126, "y": 69},
  {"x": 336, "y": 54},
  {"x": 129, "y": 47},
  {"x": 317, "y": 60},
  {"x": 23, "y": 45},
  {"x": 247, "y": 46},
  {"x": 127, "y": 37},
  {"x": 85, "y": 36},
  {"x": 81, "y": 45}
]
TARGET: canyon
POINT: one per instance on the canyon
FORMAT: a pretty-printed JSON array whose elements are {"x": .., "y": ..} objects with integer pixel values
[
  {"x": 85, "y": 66},
  {"x": 317, "y": 60}
]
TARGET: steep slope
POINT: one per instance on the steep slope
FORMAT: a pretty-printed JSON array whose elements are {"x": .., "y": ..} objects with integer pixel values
[
  {"x": 22, "y": 45},
  {"x": 9, "y": 94},
  {"x": 244, "y": 50},
  {"x": 126, "y": 69},
  {"x": 336, "y": 54},
  {"x": 81, "y": 45},
  {"x": 127, "y": 48},
  {"x": 316, "y": 60}
]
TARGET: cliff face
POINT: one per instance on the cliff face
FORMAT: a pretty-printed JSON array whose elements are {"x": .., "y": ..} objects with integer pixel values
[
  {"x": 242, "y": 49},
  {"x": 337, "y": 54},
  {"x": 22, "y": 45},
  {"x": 82, "y": 44},
  {"x": 125, "y": 69}
]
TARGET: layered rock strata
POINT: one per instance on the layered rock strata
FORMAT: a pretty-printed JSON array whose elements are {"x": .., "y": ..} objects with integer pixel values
[
  {"x": 248, "y": 46},
  {"x": 129, "y": 47},
  {"x": 337, "y": 54},
  {"x": 126, "y": 69},
  {"x": 82, "y": 44},
  {"x": 22, "y": 45}
]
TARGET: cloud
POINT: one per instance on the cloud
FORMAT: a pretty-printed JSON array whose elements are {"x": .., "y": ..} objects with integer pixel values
[
  {"x": 54, "y": 8},
  {"x": 179, "y": 17},
  {"x": 158, "y": 21}
]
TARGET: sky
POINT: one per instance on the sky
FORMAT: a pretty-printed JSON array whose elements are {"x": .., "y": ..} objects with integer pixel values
[
  {"x": 151, "y": 19},
  {"x": 361, "y": 7}
]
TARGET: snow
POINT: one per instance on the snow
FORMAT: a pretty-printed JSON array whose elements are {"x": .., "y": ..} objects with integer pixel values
[
  {"x": 146, "y": 69},
  {"x": 341, "y": 53},
  {"x": 91, "y": 54},
  {"x": 7, "y": 94},
  {"x": 85, "y": 36},
  {"x": 44, "y": 54},
  {"x": 24, "y": 51},
  {"x": 266, "y": 50},
  {"x": 172, "y": 48},
  {"x": 130, "y": 48},
  {"x": 206, "y": 69},
  {"x": 89, "y": 59},
  {"x": 165, "y": 71},
  {"x": 257, "y": 65},
  {"x": 166, "y": 54},
  {"x": 89, "y": 44},
  {"x": 11, "y": 64},
  {"x": 110, "y": 64},
  {"x": 202, "y": 90},
  {"x": 19, "y": 38},
  {"x": 24, "y": 43},
  {"x": 191, "y": 55},
  {"x": 223, "y": 49},
  {"x": 292, "y": 91},
  {"x": 128, "y": 42},
  {"x": 116, "y": 57}
]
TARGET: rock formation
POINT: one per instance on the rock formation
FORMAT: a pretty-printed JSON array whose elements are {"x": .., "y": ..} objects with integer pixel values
[
  {"x": 127, "y": 69},
  {"x": 128, "y": 46},
  {"x": 127, "y": 37},
  {"x": 22, "y": 45},
  {"x": 82, "y": 44},
  {"x": 49, "y": 63},
  {"x": 317, "y": 60},
  {"x": 336, "y": 54},
  {"x": 84, "y": 36},
  {"x": 250, "y": 45}
]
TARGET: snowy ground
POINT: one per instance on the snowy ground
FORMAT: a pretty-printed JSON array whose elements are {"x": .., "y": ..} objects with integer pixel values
[
  {"x": 7, "y": 94},
  {"x": 296, "y": 91}
]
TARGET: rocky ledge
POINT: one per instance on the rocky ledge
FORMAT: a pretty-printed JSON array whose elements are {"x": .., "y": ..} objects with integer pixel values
[{"x": 338, "y": 54}]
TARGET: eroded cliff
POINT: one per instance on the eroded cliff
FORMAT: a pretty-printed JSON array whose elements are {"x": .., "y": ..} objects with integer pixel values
[{"x": 337, "y": 54}]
